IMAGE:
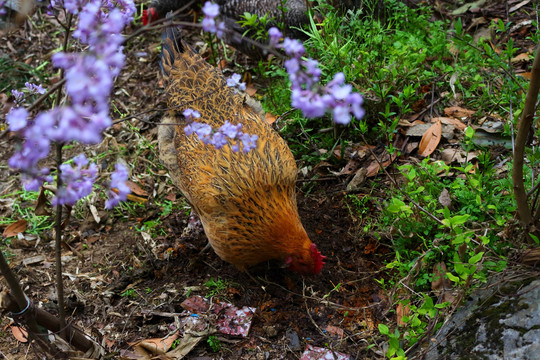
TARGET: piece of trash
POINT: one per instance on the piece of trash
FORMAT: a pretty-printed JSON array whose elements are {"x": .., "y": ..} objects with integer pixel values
[
  {"x": 234, "y": 321},
  {"x": 195, "y": 304},
  {"x": 317, "y": 353}
]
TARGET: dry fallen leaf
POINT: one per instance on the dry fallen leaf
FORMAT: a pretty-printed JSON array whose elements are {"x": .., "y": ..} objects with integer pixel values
[
  {"x": 458, "y": 112},
  {"x": 270, "y": 118},
  {"x": 444, "y": 199},
  {"x": 438, "y": 282},
  {"x": 136, "y": 189},
  {"x": 15, "y": 228},
  {"x": 374, "y": 167},
  {"x": 42, "y": 204},
  {"x": 159, "y": 345},
  {"x": 524, "y": 57},
  {"x": 334, "y": 330},
  {"x": 19, "y": 333},
  {"x": 401, "y": 311},
  {"x": 458, "y": 124},
  {"x": 430, "y": 140},
  {"x": 251, "y": 90},
  {"x": 136, "y": 199}
]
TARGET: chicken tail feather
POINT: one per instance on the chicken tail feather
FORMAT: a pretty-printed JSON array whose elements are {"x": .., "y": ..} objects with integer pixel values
[{"x": 172, "y": 45}]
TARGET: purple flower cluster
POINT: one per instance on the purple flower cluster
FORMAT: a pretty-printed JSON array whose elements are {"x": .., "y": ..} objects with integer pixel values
[
  {"x": 220, "y": 137},
  {"x": 118, "y": 182},
  {"x": 89, "y": 82},
  {"x": 34, "y": 89},
  {"x": 3, "y": 7},
  {"x": 78, "y": 181},
  {"x": 211, "y": 11},
  {"x": 30, "y": 88},
  {"x": 307, "y": 94},
  {"x": 234, "y": 82}
]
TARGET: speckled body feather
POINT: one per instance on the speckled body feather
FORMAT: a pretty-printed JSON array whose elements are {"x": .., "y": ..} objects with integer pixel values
[{"x": 246, "y": 201}]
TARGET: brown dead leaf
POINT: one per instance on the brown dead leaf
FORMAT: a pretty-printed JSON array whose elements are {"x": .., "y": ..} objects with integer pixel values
[
  {"x": 270, "y": 118},
  {"x": 439, "y": 274},
  {"x": 334, "y": 330},
  {"x": 13, "y": 229},
  {"x": 158, "y": 346},
  {"x": 401, "y": 311},
  {"x": 42, "y": 204},
  {"x": 523, "y": 57},
  {"x": 136, "y": 189},
  {"x": 195, "y": 304},
  {"x": 374, "y": 167},
  {"x": 19, "y": 333},
  {"x": 444, "y": 199},
  {"x": 458, "y": 124},
  {"x": 430, "y": 140},
  {"x": 171, "y": 196},
  {"x": 526, "y": 75},
  {"x": 222, "y": 64},
  {"x": 136, "y": 199},
  {"x": 458, "y": 112},
  {"x": 251, "y": 90}
]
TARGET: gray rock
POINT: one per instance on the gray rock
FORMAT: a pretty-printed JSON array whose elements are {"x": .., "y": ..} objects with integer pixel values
[{"x": 495, "y": 323}]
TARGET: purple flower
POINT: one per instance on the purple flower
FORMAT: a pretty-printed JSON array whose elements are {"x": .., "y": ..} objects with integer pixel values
[
  {"x": 219, "y": 140},
  {"x": 18, "y": 95},
  {"x": 234, "y": 81},
  {"x": 89, "y": 81},
  {"x": 191, "y": 114},
  {"x": 201, "y": 130},
  {"x": 33, "y": 88},
  {"x": 118, "y": 182},
  {"x": 210, "y": 10},
  {"x": 77, "y": 182},
  {"x": 16, "y": 119},
  {"x": 275, "y": 36},
  {"x": 230, "y": 130},
  {"x": 293, "y": 47},
  {"x": 249, "y": 142}
]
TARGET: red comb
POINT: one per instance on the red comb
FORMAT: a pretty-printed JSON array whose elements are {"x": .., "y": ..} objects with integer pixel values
[
  {"x": 149, "y": 14},
  {"x": 317, "y": 259}
]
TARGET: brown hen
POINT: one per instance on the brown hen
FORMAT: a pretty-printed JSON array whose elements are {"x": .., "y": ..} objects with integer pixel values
[{"x": 246, "y": 201}]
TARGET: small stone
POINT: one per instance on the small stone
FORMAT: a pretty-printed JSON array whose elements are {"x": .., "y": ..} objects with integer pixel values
[
  {"x": 294, "y": 341},
  {"x": 270, "y": 331}
]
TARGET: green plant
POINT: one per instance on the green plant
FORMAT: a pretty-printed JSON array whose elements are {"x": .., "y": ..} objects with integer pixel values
[
  {"x": 395, "y": 352},
  {"x": 23, "y": 208},
  {"x": 215, "y": 287},
  {"x": 152, "y": 227},
  {"x": 214, "y": 343},
  {"x": 129, "y": 293}
]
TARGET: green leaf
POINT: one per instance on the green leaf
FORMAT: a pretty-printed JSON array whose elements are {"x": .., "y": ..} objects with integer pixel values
[
  {"x": 476, "y": 258},
  {"x": 383, "y": 329},
  {"x": 469, "y": 132}
]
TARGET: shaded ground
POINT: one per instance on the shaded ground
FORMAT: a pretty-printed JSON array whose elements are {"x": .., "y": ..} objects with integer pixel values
[{"x": 125, "y": 284}]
